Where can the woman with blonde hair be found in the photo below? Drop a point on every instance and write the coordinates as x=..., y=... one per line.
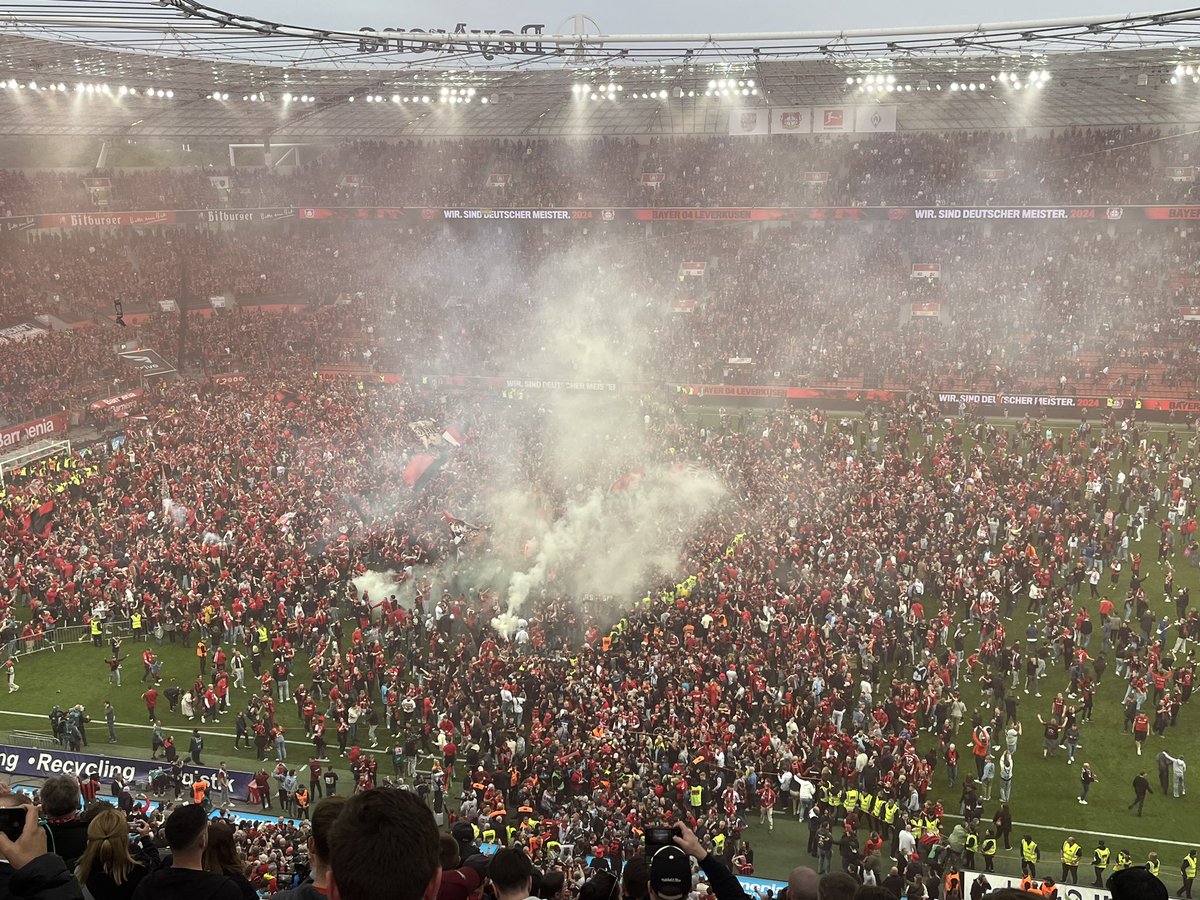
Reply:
x=111, y=867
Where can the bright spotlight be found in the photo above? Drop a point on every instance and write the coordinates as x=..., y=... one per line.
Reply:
x=287, y=98
x=483, y=99
x=850, y=79
x=170, y=94
x=971, y=86
x=395, y=98
x=891, y=79
x=424, y=99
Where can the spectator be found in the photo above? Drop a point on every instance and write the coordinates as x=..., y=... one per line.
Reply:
x=112, y=866
x=61, y=807
x=384, y=843
x=186, y=878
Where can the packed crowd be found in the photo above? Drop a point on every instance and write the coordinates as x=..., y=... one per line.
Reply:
x=1089, y=313
x=828, y=615
x=1124, y=165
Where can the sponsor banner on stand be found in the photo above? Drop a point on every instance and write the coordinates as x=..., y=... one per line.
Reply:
x=1180, y=173
x=1172, y=213
x=749, y=121
x=695, y=268
x=49, y=427
x=653, y=179
x=498, y=179
x=1190, y=313
x=226, y=378
x=605, y=214
x=683, y=305
x=796, y=120
x=118, y=406
x=219, y=182
x=874, y=119
x=816, y=177
x=925, y=310
x=832, y=119
x=926, y=270
x=44, y=763
x=710, y=214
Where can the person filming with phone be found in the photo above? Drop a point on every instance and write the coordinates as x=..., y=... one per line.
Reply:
x=30, y=871
x=671, y=868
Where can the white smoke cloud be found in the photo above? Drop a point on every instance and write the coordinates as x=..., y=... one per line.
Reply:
x=614, y=544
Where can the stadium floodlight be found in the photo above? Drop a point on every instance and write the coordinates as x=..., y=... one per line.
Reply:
x=424, y=99
x=33, y=86
x=170, y=93
x=1179, y=70
x=395, y=98
x=750, y=83
x=287, y=98
x=351, y=99
x=61, y=86
x=954, y=85
x=891, y=79
x=1174, y=80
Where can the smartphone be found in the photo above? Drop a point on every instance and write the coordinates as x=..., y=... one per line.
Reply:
x=12, y=821
x=657, y=838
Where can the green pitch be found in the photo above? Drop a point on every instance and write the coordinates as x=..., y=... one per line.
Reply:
x=1044, y=791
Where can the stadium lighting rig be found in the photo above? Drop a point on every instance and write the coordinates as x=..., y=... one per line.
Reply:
x=199, y=30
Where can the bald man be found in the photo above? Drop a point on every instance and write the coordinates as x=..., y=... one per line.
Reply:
x=802, y=883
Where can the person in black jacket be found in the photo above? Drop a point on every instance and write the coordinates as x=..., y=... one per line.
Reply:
x=186, y=879
x=35, y=874
x=671, y=875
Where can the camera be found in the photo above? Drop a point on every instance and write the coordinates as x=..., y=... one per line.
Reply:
x=12, y=821
x=657, y=838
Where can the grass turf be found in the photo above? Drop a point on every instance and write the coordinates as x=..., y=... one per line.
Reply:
x=1044, y=791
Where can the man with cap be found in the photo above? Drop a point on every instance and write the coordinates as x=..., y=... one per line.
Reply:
x=186, y=879
x=671, y=870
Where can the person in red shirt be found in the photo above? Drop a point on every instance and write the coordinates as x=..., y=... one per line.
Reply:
x=766, y=800
x=1141, y=727
x=151, y=698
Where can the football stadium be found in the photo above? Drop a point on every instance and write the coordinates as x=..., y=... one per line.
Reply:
x=541, y=461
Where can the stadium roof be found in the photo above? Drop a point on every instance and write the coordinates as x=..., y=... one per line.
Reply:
x=145, y=69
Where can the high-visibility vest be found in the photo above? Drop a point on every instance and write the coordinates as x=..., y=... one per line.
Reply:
x=1029, y=850
x=1100, y=857
x=864, y=802
x=1070, y=853
x=989, y=846
x=1124, y=861
x=851, y=800
x=835, y=798
x=1189, y=866
x=1153, y=865
x=697, y=794
x=972, y=843
x=96, y=626
x=135, y=621
x=953, y=882
x=1048, y=890
x=877, y=811
x=719, y=843
x=889, y=812
x=1027, y=883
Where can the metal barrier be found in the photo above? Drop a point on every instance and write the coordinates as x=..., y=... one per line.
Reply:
x=33, y=739
x=64, y=636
